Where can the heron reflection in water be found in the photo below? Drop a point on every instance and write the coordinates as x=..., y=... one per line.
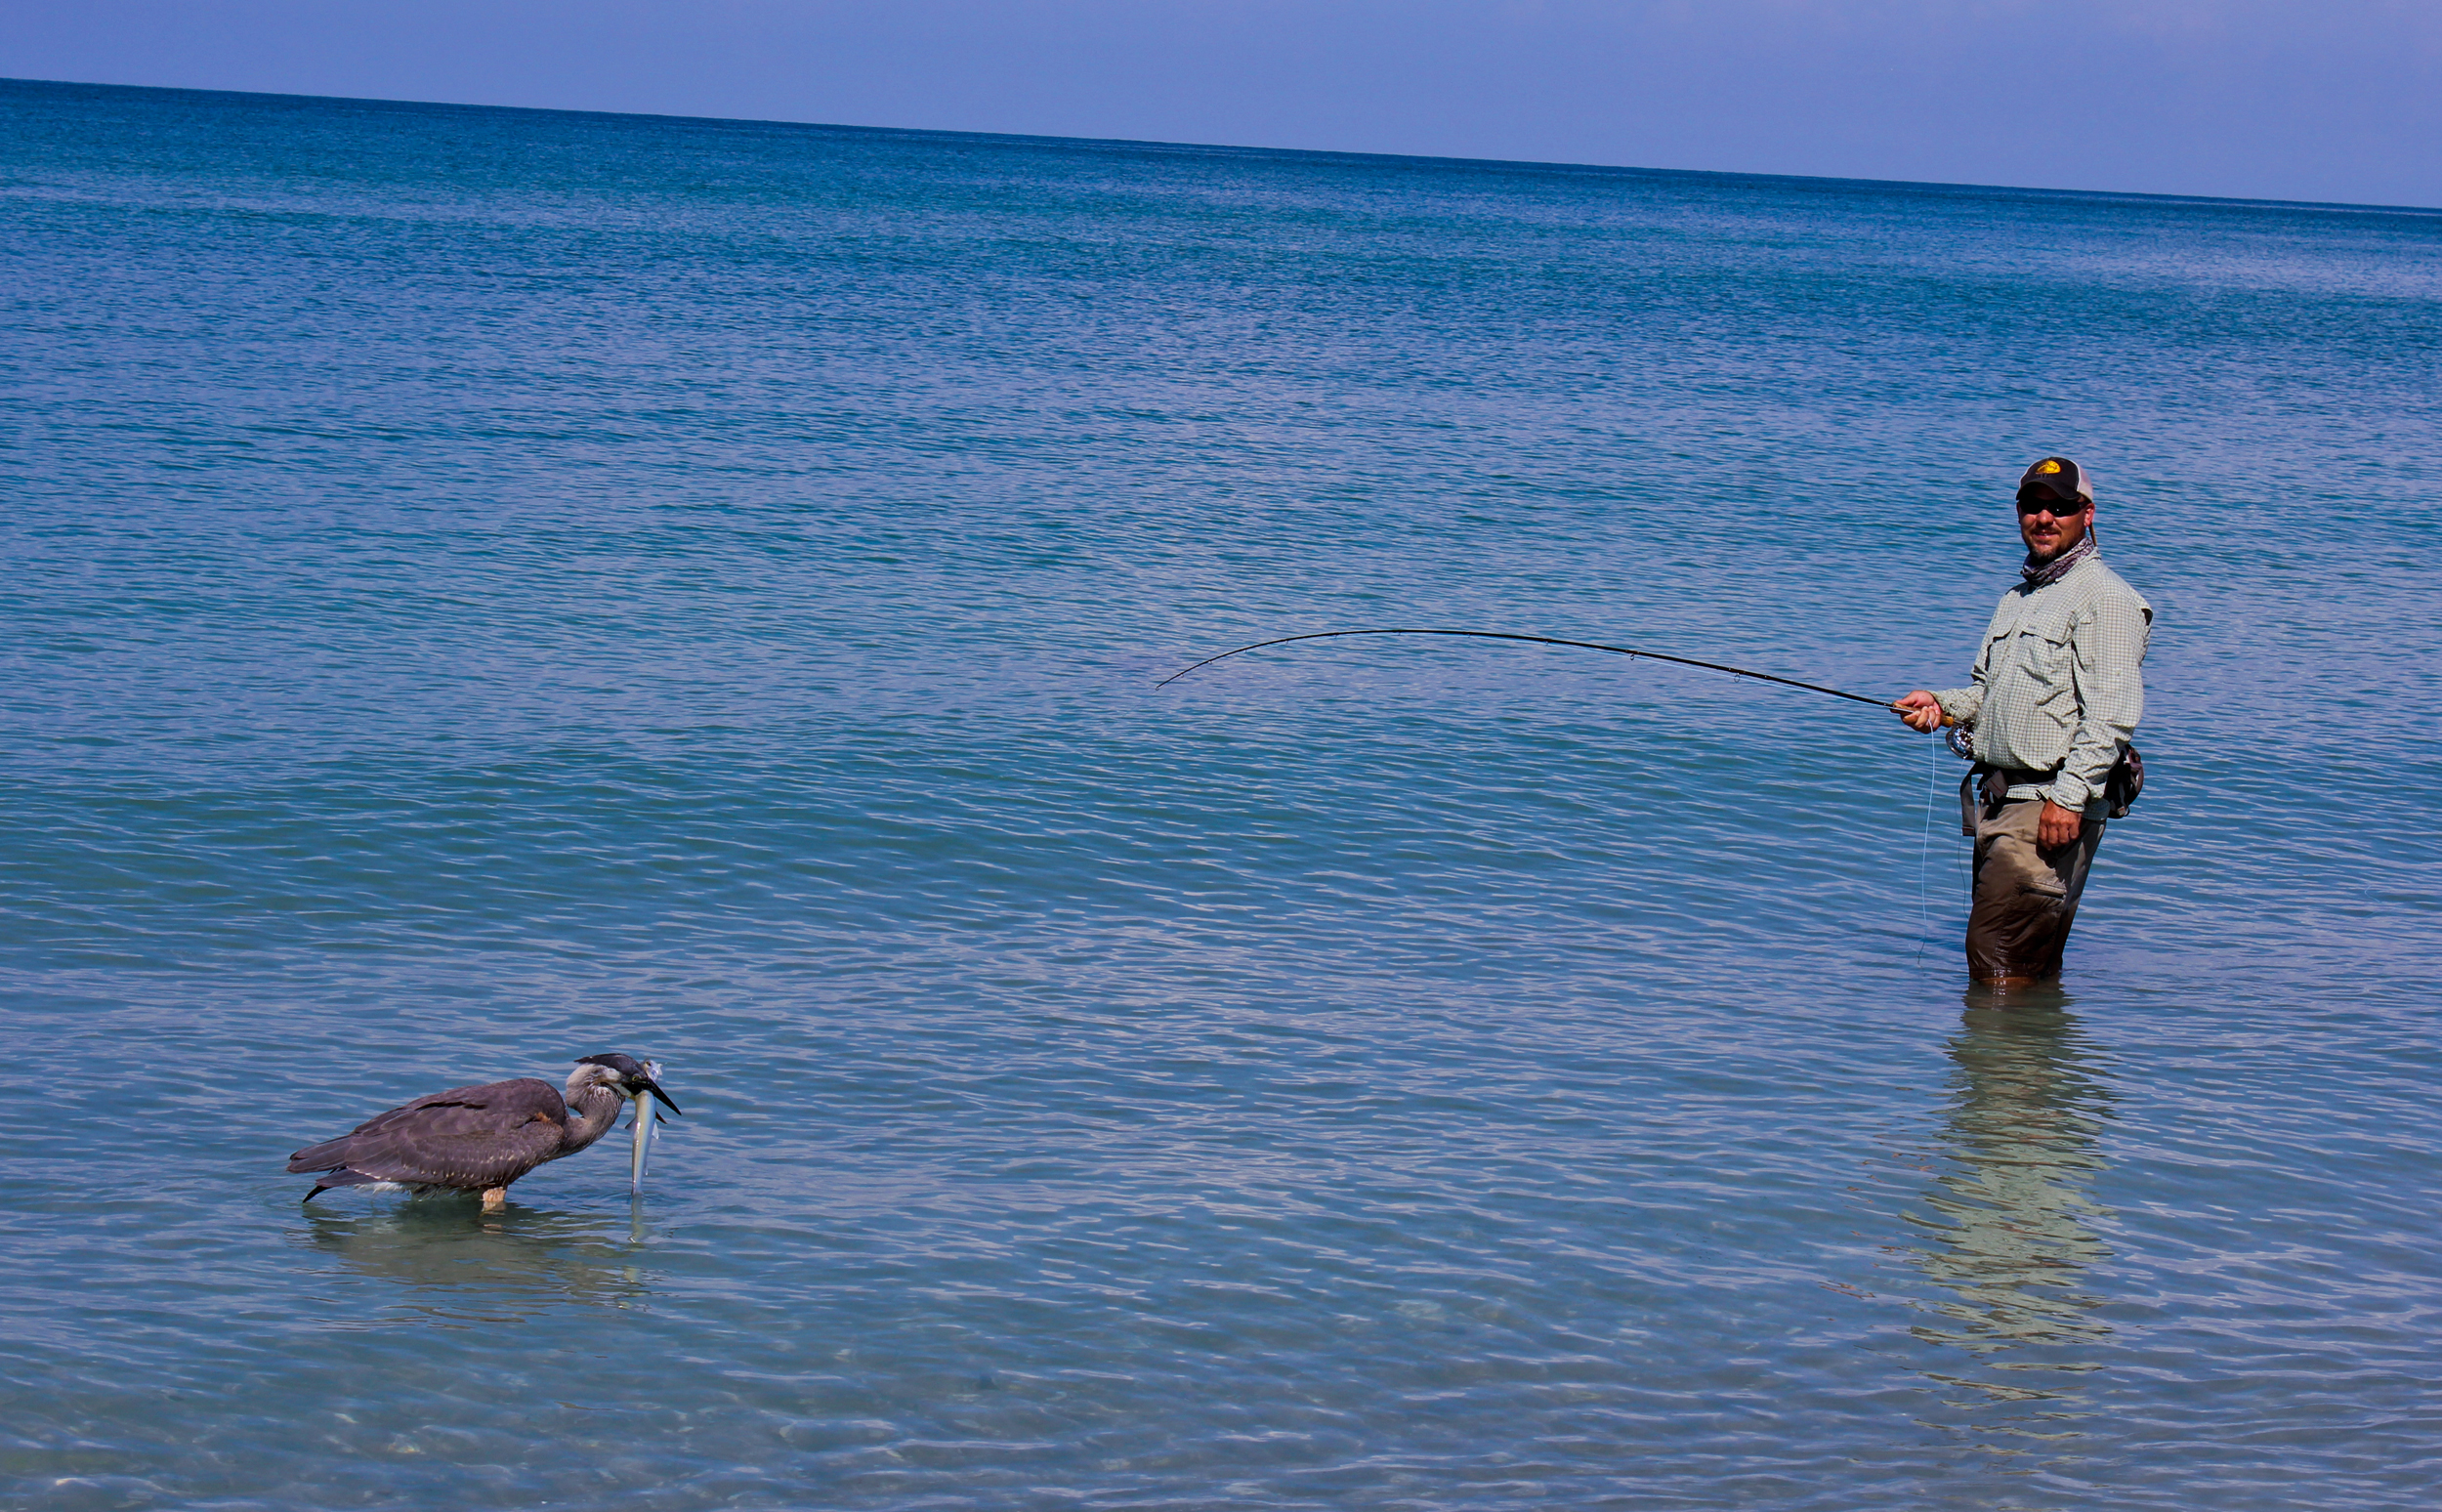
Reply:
x=522, y=1263
x=2011, y=1218
x=481, y=1138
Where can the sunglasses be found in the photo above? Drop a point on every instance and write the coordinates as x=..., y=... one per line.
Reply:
x=2059, y=509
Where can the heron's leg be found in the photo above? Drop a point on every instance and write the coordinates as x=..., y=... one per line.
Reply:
x=495, y=1198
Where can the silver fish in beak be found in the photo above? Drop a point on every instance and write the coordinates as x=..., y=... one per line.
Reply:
x=642, y=1150
x=646, y=1089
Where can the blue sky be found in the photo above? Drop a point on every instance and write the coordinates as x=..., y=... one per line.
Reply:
x=2337, y=101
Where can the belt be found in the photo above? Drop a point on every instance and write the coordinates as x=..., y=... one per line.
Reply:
x=1973, y=795
x=2020, y=776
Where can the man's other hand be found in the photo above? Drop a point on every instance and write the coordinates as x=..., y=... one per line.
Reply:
x=2057, y=827
x=1918, y=711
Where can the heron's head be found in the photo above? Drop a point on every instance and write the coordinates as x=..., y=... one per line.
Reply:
x=623, y=1074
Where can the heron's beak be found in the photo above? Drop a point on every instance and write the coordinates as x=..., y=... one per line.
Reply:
x=648, y=1084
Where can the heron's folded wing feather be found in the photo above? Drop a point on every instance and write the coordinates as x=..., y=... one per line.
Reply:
x=468, y=1136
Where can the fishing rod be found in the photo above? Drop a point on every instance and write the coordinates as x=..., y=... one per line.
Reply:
x=1543, y=640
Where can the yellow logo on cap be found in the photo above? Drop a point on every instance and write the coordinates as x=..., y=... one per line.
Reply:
x=2048, y=465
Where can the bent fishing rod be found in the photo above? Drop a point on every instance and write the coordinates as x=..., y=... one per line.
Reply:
x=1545, y=640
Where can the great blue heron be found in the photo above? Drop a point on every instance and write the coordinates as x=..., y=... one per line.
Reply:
x=481, y=1139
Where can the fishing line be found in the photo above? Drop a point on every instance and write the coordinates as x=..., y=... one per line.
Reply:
x=1540, y=640
x=1924, y=844
x=1933, y=755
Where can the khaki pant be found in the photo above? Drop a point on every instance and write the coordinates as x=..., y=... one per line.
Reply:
x=2025, y=897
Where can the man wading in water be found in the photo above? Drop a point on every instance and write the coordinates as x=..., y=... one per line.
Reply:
x=2056, y=695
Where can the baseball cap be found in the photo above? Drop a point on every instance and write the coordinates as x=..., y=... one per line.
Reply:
x=2059, y=477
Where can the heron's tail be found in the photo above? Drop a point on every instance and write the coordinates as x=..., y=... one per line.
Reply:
x=341, y=1177
x=329, y=1155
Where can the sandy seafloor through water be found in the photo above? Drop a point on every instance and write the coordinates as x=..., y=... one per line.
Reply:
x=488, y=587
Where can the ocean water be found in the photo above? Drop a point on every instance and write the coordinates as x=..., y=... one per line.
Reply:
x=487, y=587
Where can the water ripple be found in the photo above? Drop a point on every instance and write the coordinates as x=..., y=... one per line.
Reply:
x=489, y=587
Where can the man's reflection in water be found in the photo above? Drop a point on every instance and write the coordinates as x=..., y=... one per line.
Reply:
x=2009, y=1215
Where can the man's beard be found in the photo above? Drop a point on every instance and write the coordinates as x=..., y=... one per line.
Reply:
x=2040, y=571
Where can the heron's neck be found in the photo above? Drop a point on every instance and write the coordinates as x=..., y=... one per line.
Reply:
x=592, y=1113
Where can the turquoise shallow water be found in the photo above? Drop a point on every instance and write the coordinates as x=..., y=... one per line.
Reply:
x=487, y=587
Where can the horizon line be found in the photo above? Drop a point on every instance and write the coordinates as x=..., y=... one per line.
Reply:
x=2343, y=207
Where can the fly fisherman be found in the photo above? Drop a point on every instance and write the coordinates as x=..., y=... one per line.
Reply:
x=2056, y=695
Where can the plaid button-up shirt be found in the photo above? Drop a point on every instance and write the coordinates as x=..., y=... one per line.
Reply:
x=2059, y=682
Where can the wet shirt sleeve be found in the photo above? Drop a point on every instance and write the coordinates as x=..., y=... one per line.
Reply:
x=1964, y=704
x=2107, y=672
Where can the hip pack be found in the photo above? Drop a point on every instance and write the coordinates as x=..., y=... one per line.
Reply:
x=1985, y=785
x=2126, y=783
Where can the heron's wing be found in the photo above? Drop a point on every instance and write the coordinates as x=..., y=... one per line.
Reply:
x=482, y=1136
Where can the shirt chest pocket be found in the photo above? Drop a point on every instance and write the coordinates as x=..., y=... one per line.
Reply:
x=2039, y=649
